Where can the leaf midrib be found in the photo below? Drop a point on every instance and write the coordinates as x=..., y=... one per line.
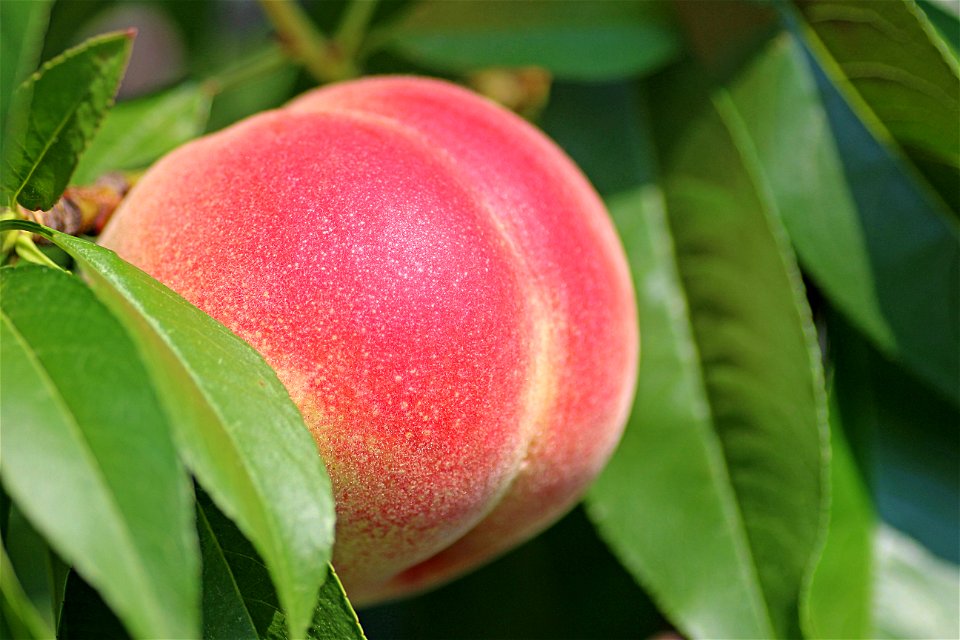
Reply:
x=233, y=579
x=719, y=469
x=54, y=137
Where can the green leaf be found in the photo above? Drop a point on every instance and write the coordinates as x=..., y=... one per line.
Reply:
x=720, y=474
x=899, y=75
x=610, y=150
x=840, y=595
x=335, y=618
x=917, y=594
x=22, y=25
x=41, y=574
x=20, y=617
x=235, y=424
x=945, y=16
x=134, y=134
x=863, y=229
x=67, y=99
x=576, y=39
x=239, y=600
x=907, y=435
x=87, y=456
x=905, y=438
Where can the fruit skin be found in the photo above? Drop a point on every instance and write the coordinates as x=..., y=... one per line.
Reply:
x=440, y=290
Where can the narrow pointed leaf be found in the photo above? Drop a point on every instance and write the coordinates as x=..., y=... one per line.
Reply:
x=891, y=63
x=134, y=134
x=63, y=104
x=578, y=39
x=720, y=473
x=87, y=453
x=239, y=600
x=236, y=426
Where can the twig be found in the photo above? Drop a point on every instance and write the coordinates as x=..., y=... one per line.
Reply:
x=353, y=26
x=318, y=54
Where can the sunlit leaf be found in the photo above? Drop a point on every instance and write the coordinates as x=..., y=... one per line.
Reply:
x=64, y=103
x=87, y=454
x=235, y=424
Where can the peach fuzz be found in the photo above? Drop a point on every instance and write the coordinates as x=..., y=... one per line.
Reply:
x=440, y=290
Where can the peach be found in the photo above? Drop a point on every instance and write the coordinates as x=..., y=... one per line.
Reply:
x=440, y=290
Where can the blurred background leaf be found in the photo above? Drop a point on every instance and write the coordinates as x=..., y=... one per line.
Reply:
x=916, y=592
x=136, y=133
x=21, y=37
x=574, y=40
x=891, y=62
x=882, y=249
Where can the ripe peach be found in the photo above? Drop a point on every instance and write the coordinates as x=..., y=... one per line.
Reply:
x=441, y=292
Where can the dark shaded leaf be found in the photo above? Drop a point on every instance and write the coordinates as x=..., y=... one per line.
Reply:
x=87, y=455
x=238, y=599
x=945, y=16
x=535, y=592
x=86, y=616
x=575, y=40
x=863, y=228
x=40, y=572
x=64, y=103
x=897, y=73
x=19, y=618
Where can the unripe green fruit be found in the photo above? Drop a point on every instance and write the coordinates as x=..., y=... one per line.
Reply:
x=441, y=292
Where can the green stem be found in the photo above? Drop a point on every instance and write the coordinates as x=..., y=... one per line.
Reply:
x=28, y=251
x=320, y=56
x=261, y=63
x=353, y=25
